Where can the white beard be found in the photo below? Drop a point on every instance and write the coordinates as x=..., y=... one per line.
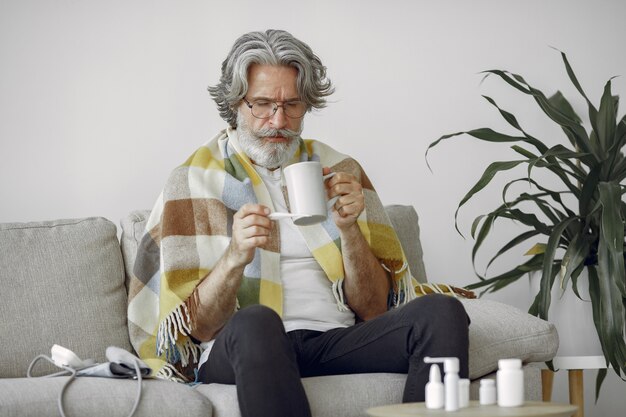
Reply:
x=269, y=155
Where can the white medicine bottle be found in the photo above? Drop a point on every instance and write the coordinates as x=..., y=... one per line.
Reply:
x=487, y=392
x=510, y=381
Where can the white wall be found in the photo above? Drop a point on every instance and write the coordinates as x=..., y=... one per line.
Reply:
x=99, y=100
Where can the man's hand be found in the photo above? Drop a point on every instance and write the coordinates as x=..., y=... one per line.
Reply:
x=351, y=201
x=251, y=229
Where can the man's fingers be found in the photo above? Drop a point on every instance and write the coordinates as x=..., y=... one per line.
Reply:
x=254, y=231
x=248, y=209
x=252, y=220
x=350, y=209
x=251, y=228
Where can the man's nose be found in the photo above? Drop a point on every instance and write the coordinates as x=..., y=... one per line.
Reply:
x=279, y=119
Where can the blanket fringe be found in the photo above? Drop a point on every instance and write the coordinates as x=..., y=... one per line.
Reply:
x=405, y=289
x=177, y=323
x=456, y=292
x=337, y=288
x=170, y=373
x=406, y=286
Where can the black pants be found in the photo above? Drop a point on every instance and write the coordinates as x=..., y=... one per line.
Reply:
x=254, y=352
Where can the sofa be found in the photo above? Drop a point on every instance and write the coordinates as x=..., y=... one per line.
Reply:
x=64, y=282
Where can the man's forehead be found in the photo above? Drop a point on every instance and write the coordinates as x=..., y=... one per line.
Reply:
x=268, y=81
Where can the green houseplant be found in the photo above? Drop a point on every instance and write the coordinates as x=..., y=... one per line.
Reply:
x=564, y=237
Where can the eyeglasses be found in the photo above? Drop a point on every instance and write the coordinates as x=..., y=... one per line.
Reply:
x=263, y=109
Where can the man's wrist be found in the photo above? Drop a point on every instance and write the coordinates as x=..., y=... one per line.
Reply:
x=350, y=231
x=233, y=262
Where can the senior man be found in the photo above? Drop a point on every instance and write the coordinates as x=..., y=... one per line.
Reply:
x=261, y=303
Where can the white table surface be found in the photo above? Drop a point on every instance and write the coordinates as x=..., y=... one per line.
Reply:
x=529, y=409
x=579, y=362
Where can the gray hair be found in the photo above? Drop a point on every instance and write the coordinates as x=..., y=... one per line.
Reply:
x=272, y=47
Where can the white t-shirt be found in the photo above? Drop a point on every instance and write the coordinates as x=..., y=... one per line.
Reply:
x=308, y=301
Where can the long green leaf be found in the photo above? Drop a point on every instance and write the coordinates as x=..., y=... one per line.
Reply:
x=610, y=277
x=564, y=155
x=599, y=380
x=547, y=281
x=564, y=120
x=615, y=155
x=528, y=219
x=553, y=113
x=575, y=131
x=606, y=120
x=554, y=214
x=512, y=243
x=504, y=211
x=551, y=213
x=592, y=110
x=485, y=179
x=485, y=134
x=482, y=234
x=574, y=278
x=548, y=263
x=508, y=79
x=620, y=136
x=556, y=196
x=510, y=118
x=585, y=200
x=612, y=235
x=573, y=258
x=555, y=168
x=597, y=312
x=559, y=102
x=533, y=264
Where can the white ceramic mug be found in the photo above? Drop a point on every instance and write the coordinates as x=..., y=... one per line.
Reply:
x=308, y=203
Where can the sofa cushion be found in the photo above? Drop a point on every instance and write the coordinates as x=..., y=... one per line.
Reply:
x=343, y=395
x=62, y=282
x=499, y=331
x=85, y=396
x=329, y=396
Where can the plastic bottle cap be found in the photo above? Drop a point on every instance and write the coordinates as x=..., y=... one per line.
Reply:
x=435, y=374
x=449, y=364
x=487, y=382
x=510, y=364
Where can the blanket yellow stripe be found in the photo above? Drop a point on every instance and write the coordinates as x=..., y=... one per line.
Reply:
x=327, y=256
x=271, y=295
x=203, y=158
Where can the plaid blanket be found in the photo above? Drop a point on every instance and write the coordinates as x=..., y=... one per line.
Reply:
x=189, y=230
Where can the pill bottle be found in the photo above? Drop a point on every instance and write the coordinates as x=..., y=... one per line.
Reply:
x=464, y=389
x=487, y=392
x=510, y=381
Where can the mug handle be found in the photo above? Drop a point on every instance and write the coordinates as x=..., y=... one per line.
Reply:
x=332, y=201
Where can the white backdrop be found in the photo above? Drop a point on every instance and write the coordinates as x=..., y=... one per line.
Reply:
x=99, y=100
